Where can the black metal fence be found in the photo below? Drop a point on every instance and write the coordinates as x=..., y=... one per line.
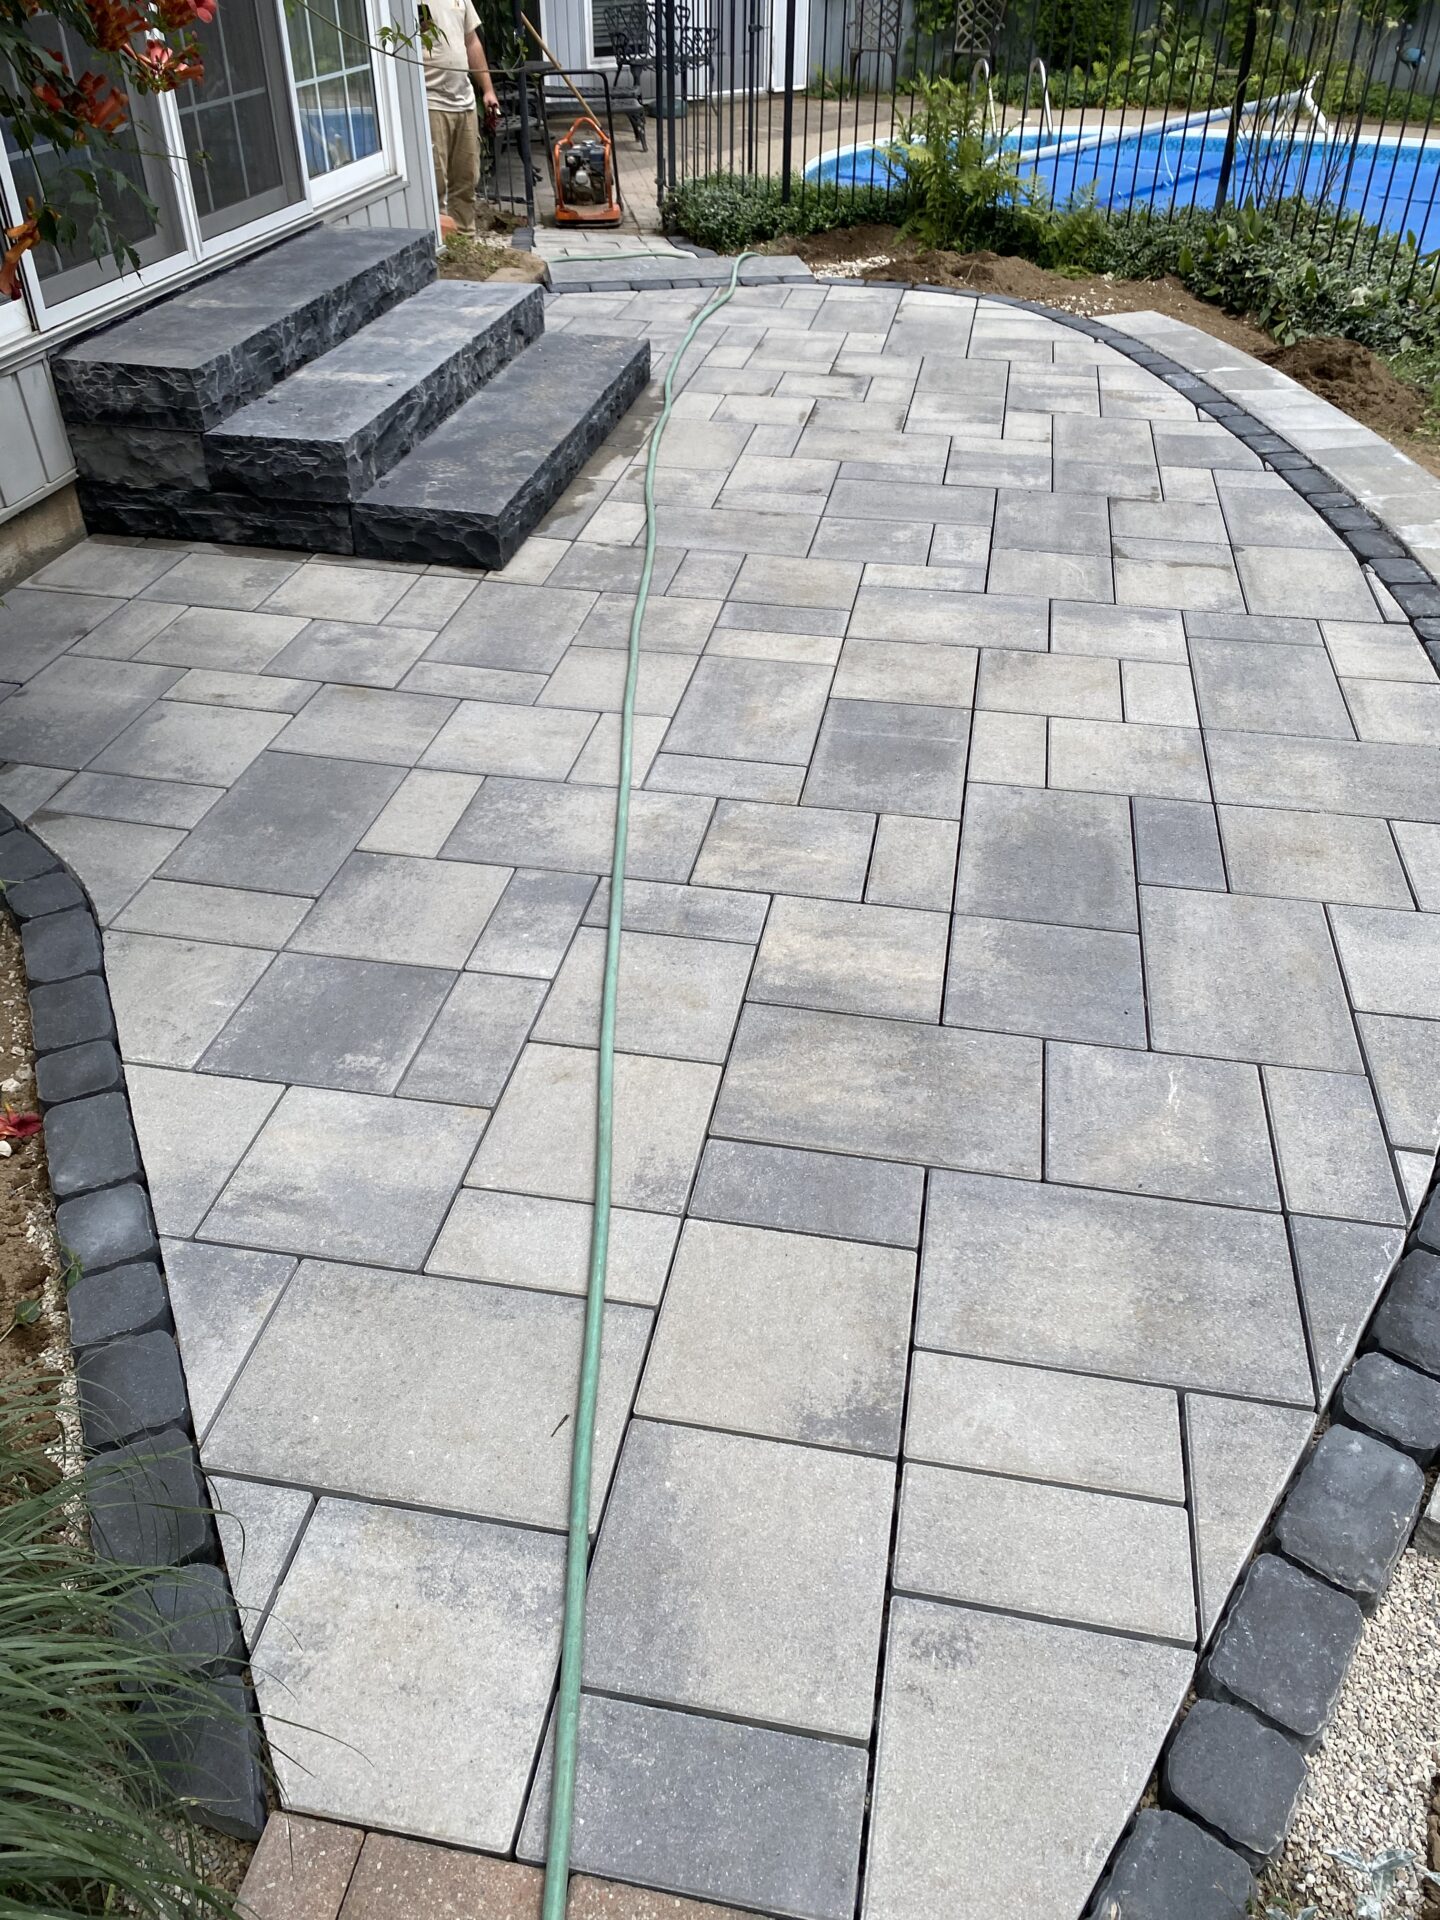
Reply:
x=1163, y=104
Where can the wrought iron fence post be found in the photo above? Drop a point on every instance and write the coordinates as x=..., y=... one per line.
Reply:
x=1232, y=131
x=787, y=125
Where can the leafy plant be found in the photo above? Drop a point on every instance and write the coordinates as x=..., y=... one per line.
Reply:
x=732, y=211
x=956, y=176
x=87, y=1823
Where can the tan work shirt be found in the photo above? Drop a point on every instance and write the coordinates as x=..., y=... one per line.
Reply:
x=447, y=66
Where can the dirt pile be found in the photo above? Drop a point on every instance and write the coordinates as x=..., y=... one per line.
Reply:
x=1350, y=377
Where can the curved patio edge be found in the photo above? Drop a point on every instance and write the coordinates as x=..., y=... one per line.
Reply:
x=148, y=1500
x=1231, y=1769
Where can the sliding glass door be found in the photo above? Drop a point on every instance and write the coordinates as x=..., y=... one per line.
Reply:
x=236, y=125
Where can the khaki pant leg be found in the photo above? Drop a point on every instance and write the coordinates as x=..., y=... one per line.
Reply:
x=440, y=153
x=464, y=169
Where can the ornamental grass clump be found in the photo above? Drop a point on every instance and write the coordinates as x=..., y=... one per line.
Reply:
x=87, y=1825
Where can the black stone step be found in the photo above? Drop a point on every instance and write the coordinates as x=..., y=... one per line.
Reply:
x=470, y=493
x=330, y=431
x=189, y=360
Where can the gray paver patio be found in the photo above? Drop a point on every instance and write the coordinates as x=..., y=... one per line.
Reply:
x=1029, y=1034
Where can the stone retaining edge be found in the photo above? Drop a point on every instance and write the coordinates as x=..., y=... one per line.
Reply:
x=148, y=1499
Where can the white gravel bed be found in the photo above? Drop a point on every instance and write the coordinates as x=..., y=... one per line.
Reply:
x=1371, y=1778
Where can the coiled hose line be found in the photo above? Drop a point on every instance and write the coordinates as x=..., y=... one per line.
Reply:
x=572, y=1644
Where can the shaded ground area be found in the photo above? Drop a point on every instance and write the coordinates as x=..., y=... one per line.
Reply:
x=1029, y=1034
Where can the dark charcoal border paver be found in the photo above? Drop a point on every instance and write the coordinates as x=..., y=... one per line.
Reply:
x=147, y=1494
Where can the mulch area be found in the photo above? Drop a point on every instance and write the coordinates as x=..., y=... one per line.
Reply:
x=28, y=1263
x=1343, y=372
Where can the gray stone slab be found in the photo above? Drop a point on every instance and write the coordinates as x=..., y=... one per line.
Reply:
x=467, y=1055
x=1130, y=633
x=1342, y=1265
x=1032, y=1424
x=693, y=913
x=539, y=743
x=111, y=858
x=677, y=998
x=517, y=1240
x=286, y=825
x=1330, y=1147
x=917, y=1093
x=1028, y=854
x=1104, y=756
x=541, y=1138
x=742, y=1576
x=533, y=823
x=1302, y=582
x=468, y=1414
x=505, y=624
x=1250, y=688
x=354, y=652
x=319, y=1021
x=1404, y=1057
x=965, y=619
x=1082, y=686
x=913, y=864
x=1158, y=1123
x=1390, y=960
x=1325, y=776
x=781, y=1822
x=992, y=1725
x=37, y=626
x=783, y=1335
x=725, y=779
x=892, y=757
x=1246, y=979
x=1052, y=522
x=750, y=710
x=382, y=1734
x=799, y=850
x=391, y=907
x=533, y=924
x=74, y=707
x=852, y=959
x=1115, y=1266
x=228, y=915
x=819, y=1193
x=1092, y=1558
x=593, y=679
x=896, y=670
x=1177, y=844
x=420, y=815
x=178, y=740
x=366, y=723
x=171, y=997
x=115, y=796
x=1338, y=858
x=192, y=1128
x=1241, y=1453
x=221, y=1298
x=220, y=639
x=1061, y=983
x=336, y=1174
x=259, y=1528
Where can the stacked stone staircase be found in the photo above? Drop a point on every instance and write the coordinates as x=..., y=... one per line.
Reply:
x=332, y=394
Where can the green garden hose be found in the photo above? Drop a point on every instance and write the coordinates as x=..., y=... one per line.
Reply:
x=572, y=1645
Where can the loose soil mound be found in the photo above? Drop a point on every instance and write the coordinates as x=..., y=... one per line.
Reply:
x=1350, y=377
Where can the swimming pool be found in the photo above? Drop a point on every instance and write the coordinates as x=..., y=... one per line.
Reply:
x=1393, y=182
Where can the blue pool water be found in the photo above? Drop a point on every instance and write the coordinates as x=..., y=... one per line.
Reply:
x=1393, y=182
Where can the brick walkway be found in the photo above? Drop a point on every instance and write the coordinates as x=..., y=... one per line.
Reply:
x=914, y=1570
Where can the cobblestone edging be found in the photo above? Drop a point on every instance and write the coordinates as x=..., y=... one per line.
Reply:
x=1233, y=1767
x=149, y=1504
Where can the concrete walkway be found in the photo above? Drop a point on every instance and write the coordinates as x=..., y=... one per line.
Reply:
x=1030, y=1037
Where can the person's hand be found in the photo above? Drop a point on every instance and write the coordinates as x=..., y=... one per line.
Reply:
x=490, y=107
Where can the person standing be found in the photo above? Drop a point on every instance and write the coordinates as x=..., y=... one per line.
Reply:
x=455, y=55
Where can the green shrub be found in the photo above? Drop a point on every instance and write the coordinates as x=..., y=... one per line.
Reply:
x=87, y=1826
x=729, y=212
